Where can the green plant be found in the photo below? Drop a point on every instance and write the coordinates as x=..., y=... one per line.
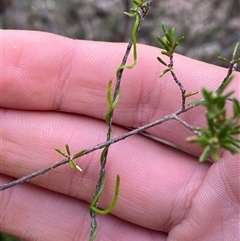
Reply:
x=222, y=130
x=220, y=133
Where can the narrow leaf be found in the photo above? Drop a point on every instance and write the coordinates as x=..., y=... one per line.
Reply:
x=109, y=93
x=61, y=152
x=169, y=38
x=161, y=61
x=237, y=61
x=230, y=148
x=172, y=35
x=68, y=149
x=166, y=53
x=104, y=153
x=164, y=28
x=215, y=155
x=205, y=154
x=114, y=202
x=223, y=59
x=131, y=15
x=164, y=72
x=78, y=154
x=163, y=43
x=179, y=40
x=236, y=108
x=114, y=103
x=235, y=50
x=191, y=93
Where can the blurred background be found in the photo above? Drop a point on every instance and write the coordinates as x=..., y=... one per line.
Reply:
x=211, y=28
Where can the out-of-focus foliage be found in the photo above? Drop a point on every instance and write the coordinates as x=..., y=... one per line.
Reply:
x=211, y=28
x=5, y=237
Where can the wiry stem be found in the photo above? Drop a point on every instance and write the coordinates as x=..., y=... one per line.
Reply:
x=183, y=91
x=231, y=69
x=140, y=16
x=97, y=147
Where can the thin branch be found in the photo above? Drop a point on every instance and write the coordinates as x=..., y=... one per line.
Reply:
x=183, y=91
x=191, y=128
x=140, y=16
x=232, y=67
x=97, y=147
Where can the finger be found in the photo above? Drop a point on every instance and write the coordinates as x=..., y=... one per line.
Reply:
x=156, y=180
x=33, y=213
x=216, y=203
x=42, y=71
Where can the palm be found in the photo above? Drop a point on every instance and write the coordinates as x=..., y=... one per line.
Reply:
x=216, y=199
x=165, y=194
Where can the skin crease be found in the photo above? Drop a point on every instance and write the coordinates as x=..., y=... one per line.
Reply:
x=53, y=91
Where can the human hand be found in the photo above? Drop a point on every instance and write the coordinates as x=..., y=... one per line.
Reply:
x=53, y=91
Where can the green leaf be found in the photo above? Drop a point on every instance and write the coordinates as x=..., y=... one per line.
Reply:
x=230, y=148
x=172, y=35
x=163, y=43
x=235, y=131
x=109, y=93
x=191, y=93
x=61, y=152
x=73, y=164
x=107, y=116
x=225, y=84
x=205, y=154
x=164, y=28
x=202, y=141
x=139, y=3
x=235, y=50
x=161, y=61
x=237, y=61
x=224, y=59
x=131, y=15
x=68, y=149
x=114, y=202
x=78, y=168
x=114, y=103
x=207, y=96
x=223, y=132
x=78, y=154
x=215, y=155
x=104, y=153
x=236, y=107
x=166, y=53
x=169, y=39
x=164, y=72
x=179, y=40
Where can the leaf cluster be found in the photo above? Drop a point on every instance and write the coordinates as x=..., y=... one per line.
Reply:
x=71, y=158
x=233, y=61
x=222, y=130
x=168, y=41
x=169, y=44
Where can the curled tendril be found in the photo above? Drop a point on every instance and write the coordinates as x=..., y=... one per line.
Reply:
x=135, y=12
x=115, y=198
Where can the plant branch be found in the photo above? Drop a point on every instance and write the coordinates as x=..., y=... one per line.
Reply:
x=139, y=12
x=96, y=147
x=191, y=128
x=183, y=91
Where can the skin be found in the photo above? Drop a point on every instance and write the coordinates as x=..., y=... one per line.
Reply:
x=53, y=91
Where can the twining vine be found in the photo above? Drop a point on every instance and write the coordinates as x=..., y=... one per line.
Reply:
x=221, y=130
